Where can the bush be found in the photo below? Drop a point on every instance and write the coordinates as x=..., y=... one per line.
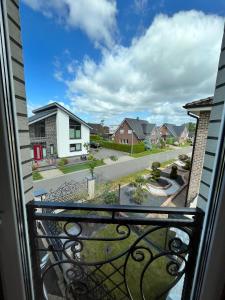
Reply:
x=173, y=173
x=113, y=157
x=139, y=195
x=137, y=148
x=155, y=174
x=63, y=162
x=183, y=157
x=170, y=141
x=187, y=164
x=162, y=143
x=95, y=137
x=155, y=165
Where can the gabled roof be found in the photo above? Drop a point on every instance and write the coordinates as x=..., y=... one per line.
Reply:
x=47, y=110
x=97, y=128
x=176, y=130
x=206, y=102
x=141, y=128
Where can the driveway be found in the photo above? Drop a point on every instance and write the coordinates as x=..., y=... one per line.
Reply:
x=114, y=171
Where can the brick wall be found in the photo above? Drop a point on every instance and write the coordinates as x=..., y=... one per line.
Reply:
x=198, y=155
x=121, y=136
x=50, y=134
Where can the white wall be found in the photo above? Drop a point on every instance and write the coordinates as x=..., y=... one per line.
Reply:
x=63, y=138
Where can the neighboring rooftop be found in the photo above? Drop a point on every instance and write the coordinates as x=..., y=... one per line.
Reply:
x=176, y=130
x=97, y=128
x=141, y=128
x=50, y=109
x=206, y=102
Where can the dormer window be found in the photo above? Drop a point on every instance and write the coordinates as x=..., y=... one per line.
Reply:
x=75, y=130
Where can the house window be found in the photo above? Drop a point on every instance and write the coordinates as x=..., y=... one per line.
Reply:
x=51, y=149
x=121, y=131
x=129, y=131
x=75, y=130
x=39, y=129
x=75, y=147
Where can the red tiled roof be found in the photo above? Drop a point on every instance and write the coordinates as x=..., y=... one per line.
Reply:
x=199, y=103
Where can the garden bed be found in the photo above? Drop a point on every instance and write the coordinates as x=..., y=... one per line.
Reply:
x=160, y=184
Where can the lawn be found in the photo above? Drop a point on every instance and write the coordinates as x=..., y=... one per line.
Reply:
x=156, y=278
x=167, y=163
x=149, y=152
x=73, y=168
x=36, y=175
x=128, y=179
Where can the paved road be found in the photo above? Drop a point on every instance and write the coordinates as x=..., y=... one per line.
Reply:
x=111, y=172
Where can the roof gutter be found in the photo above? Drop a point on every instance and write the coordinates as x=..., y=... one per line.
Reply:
x=193, y=152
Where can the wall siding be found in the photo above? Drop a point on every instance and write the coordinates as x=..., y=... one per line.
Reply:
x=214, y=133
x=20, y=94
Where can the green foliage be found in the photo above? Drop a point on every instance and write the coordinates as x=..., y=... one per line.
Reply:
x=191, y=126
x=137, y=148
x=155, y=171
x=36, y=175
x=113, y=157
x=95, y=137
x=110, y=197
x=148, y=144
x=63, y=162
x=187, y=164
x=170, y=141
x=183, y=157
x=162, y=143
x=139, y=195
x=87, y=147
x=155, y=165
x=173, y=173
x=92, y=164
x=139, y=181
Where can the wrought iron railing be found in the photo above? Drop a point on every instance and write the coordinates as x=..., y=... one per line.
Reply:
x=112, y=252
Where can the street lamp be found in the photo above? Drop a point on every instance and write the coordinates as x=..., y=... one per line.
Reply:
x=132, y=142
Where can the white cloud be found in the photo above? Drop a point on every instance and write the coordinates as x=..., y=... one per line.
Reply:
x=96, y=18
x=173, y=62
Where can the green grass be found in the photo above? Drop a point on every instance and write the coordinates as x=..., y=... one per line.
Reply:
x=36, y=175
x=68, y=169
x=128, y=179
x=167, y=163
x=156, y=278
x=149, y=152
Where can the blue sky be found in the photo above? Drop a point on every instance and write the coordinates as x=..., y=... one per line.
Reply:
x=108, y=59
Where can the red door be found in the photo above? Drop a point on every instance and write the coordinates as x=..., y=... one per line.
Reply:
x=38, y=152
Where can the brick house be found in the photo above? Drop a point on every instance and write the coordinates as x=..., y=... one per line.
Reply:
x=133, y=131
x=200, y=110
x=55, y=131
x=178, y=132
x=99, y=129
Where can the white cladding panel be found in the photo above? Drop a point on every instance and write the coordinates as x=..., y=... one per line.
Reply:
x=63, y=137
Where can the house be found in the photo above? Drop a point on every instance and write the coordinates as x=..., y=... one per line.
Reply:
x=200, y=110
x=55, y=131
x=178, y=132
x=133, y=131
x=99, y=129
x=112, y=130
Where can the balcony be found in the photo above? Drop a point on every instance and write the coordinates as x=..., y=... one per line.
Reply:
x=112, y=252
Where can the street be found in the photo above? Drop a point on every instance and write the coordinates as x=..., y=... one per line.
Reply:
x=114, y=171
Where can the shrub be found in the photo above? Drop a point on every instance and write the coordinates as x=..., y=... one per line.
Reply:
x=63, y=162
x=113, y=157
x=148, y=144
x=170, y=141
x=110, y=197
x=95, y=137
x=155, y=165
x=137, y=148
x=155, y=174
x=173, y=173
x=139, y=195
x=162, y=143
x=187, y=164
x=183, y=157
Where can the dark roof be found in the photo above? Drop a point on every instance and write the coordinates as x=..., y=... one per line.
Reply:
x=206, y=102
x=46, y=110
x=41, y=114
x=176, y=130
x=141, y=128
x=98, y=128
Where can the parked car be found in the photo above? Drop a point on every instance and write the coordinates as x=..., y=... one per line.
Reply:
x=94, y=144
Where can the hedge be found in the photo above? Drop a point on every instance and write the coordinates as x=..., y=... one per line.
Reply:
x=137, y=148
x=95, y=137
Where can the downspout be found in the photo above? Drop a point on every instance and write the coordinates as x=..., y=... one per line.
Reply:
x=193, y=152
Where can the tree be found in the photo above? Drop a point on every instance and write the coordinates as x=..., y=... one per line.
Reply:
x=148, y=144
x=173, y=173
x=155, y=171
x=92, y=164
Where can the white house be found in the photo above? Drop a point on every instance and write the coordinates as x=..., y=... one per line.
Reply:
x=55, y=131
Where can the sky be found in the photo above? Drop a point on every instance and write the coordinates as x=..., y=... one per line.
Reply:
x=108, y=59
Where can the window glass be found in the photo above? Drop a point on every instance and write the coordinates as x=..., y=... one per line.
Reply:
x=121, y=131
x=39, y=129
x=51, y=149
x=129, y=131
x=75, y=130
x=75, y=147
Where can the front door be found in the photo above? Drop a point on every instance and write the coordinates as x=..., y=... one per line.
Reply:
x=38, y=152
